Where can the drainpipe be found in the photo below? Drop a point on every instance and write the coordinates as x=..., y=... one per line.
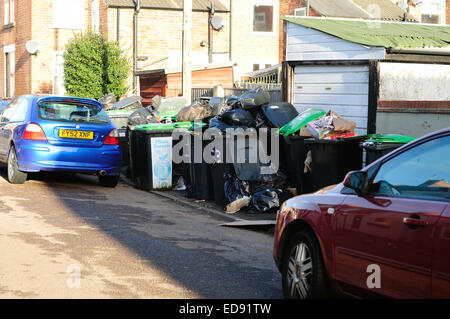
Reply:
x=118, y=25
x=307, y=8
x=137, y=8
x=211, y=40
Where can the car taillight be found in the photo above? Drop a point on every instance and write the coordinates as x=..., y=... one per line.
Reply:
x=34, y=132
x=112, y=138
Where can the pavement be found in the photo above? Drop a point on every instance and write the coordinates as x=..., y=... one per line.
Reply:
x=64, y=236
x=211, y=207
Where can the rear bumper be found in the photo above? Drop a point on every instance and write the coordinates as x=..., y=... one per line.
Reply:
x=42, y=156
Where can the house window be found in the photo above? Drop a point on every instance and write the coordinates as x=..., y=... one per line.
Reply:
x=95, y=16
x=263, y=16
x=432, y=12
x=8, y=17
x=261, y=66
x=68, y=14
x=300, y=12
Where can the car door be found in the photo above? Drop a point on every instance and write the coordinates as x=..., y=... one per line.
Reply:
x=390, y=230
x=5, y=119
x=440, y=282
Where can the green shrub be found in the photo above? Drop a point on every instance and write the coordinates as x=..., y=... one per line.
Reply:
x=94, y=66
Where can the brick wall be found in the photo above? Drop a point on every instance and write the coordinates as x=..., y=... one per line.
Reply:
x=288, y=7
x=33, y=21
x=249, y=47
x=447, y=12
x=160, y=35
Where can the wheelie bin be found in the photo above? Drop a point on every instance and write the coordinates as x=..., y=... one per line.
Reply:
x=378, y=145
x=333, y=159
x=151, y=156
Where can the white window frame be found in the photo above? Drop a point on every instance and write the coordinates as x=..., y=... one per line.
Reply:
x=426, y=9
x=63, y=10
x=8, y=12
x=95, y=15
x=10, y=50
x=303, y=10
x=58, y=73
x=274, y=4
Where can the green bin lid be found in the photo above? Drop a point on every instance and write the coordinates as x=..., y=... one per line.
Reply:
x=155, y=127
x=389, y=138
x=182, y=124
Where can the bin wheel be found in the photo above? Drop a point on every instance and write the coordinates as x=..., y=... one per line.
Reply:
x=108, y=181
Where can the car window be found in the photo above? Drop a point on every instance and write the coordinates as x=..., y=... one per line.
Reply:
x=71, y=112
x=21, y=111
x=420, y=172
x=8, y=113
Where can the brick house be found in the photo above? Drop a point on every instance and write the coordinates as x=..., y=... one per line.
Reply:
x=50, y=23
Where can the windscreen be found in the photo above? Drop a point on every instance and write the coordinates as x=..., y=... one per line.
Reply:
x=64, y=111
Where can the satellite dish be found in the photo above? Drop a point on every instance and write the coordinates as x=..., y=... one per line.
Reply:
x=33, y=47
x=218, y=22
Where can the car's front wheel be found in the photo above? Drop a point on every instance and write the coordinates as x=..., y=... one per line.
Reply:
x=302, y=268
x=108, y=181
x=14, y=175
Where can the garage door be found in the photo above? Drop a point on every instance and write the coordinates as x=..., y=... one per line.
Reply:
x=343, y=89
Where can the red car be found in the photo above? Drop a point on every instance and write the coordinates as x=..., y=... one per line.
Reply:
x=384, y=231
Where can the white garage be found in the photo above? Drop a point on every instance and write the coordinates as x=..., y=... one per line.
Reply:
x=334, y=64
x=345, y=89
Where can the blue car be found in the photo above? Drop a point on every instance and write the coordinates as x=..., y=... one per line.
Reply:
x=59, y=134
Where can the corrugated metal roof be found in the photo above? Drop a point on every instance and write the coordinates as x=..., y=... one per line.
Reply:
x=197, y=5
x=363, y=9
x=378, y=33
x=341, y=8
x=385, y=9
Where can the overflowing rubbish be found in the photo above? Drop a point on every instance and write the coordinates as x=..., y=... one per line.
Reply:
x=316, y=148
x=108, y=100
x=142, y=116
x=301, y=121
x=199, y=110
x=133, y=102
x=331, y=126
x=254, y=98
x=279, y=114
x=168, y=104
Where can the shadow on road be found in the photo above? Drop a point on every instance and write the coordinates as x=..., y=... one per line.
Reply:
x=226, y=268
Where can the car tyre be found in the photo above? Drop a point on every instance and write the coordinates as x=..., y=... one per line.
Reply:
x=14, y=175
x=108, y=181
x=302, y=268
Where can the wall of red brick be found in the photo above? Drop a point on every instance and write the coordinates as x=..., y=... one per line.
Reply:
x=17, y=34
x=447, y=12
x=288, y=7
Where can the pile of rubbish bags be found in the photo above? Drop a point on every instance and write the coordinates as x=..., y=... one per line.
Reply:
x=245, y=188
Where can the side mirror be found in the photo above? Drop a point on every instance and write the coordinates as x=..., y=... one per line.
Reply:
x=356, y=180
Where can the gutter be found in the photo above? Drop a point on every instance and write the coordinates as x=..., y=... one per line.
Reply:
x=419, y=51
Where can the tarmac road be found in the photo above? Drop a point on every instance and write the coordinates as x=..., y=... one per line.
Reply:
x=64, y=236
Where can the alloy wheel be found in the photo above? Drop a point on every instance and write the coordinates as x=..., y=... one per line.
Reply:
x=12, y=164
x=300, y=269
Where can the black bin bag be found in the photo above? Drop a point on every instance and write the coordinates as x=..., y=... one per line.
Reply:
x=279, y=114
x=254, y=98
